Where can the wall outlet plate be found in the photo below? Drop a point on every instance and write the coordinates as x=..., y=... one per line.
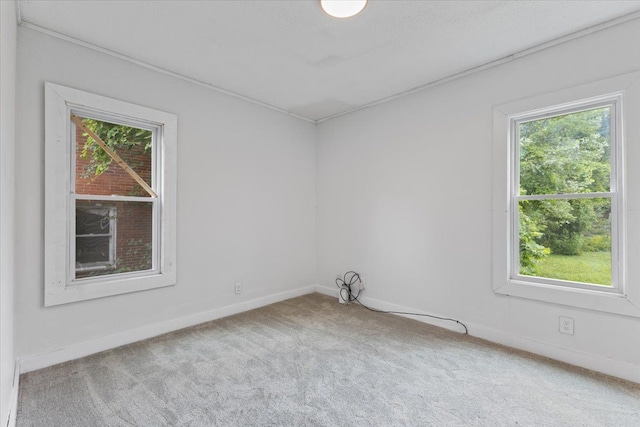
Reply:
x=238, y=288
x=566, y=325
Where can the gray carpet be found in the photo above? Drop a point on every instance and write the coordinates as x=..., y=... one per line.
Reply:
x=310, y=361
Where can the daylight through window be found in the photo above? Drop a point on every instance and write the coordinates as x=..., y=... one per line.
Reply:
x=565, y=201
x=114, y=201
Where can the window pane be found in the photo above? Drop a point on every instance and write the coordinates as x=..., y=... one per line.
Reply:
x=93, y=220
x=113, y=237
x=92, y=249
x=566, y=154
x=98, y=174
x=566, y=239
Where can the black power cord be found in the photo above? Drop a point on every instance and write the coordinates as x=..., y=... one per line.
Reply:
x=350, y=278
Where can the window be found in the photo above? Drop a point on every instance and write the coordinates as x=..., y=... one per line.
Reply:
x=120, y=177
x=565, y=195
x=109, y=196
x=561, y=206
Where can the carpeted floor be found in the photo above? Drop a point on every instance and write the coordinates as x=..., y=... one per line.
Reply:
x=310, y=361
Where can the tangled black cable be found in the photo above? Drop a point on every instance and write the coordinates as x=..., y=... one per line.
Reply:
x=350, y=278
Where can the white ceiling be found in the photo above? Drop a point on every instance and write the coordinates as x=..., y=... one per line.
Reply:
x=291, y=55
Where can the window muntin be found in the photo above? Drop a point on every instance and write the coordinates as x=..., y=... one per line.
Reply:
x=565, y=195
x=99, y=179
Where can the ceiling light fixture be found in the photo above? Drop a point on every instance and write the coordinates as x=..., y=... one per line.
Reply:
x=343, y=8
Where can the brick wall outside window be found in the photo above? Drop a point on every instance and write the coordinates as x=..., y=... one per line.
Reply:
x=133, y=235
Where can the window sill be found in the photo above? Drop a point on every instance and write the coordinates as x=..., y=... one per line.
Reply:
x=608, y=302
x=103, y=287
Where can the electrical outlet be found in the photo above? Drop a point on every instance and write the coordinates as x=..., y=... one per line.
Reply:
x=238, y=288
x=566, y=325
x=362, y=282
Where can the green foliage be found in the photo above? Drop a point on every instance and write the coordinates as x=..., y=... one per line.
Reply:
x=567, y=222
x=530, y=251
x=567, y=244
x=597, y=243
x=565, y=154
x=117, y=137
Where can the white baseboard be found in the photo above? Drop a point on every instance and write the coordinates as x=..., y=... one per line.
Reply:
x=387, y=306
x=325, y=290
x=97, y=345
x=13, y=404
x=596, y=363
x=600, y=364
x=592, y=362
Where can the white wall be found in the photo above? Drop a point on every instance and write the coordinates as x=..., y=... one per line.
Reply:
x=7, y=146
x=403, y=192
x=405, y=198
x=246, y=198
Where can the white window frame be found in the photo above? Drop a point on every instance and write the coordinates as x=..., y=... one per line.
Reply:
x=624, y=296
x=613, y=101
x=60, y=286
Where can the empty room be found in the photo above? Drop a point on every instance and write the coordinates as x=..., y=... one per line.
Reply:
x=319, y=213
